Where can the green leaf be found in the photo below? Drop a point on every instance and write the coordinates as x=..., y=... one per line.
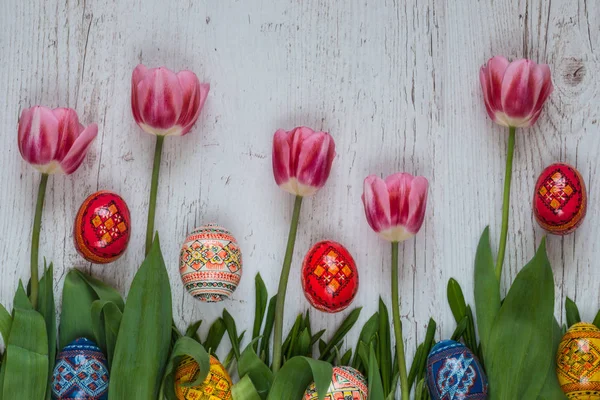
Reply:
x=245, y=390
x=385, y=348
x=367, y=334
x=106, y=321
x=374, y=378
x=460, y=329
x=290, y=340
x=572, y=312
x=261, y=306
x=215, y=335
x=345, y=360
x=417, y=369
x=75, y=317
x=232, y=333
x=192, y=330
x=551, y=389
x=185, y=346
x=293, y=378
x=456, y=300
x=142, y=347
x=597, y=320
x=341, y=332
x=267, y=330
x=102, y=290
x=524, y=325
x=25, y=370
x=5, y=323
x=487, y=290
x=21, y=300
x=251, y=366
x=302, y=347
x=47, y=308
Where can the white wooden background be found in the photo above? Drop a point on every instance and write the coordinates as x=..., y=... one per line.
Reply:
x=396, y=84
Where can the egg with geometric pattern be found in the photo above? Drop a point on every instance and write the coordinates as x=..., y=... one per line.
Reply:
x=578, y=362
x=210, y=263
x=346, y=384
x=80, y=372
x=454, y=373
x=216, y=386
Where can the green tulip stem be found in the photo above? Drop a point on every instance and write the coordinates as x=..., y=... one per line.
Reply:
x=153, y=192
x=35, y=240
x=283, y=282
x=506, y=202
x=404, y=389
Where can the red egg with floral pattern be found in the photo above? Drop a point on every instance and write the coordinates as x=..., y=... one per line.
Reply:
x=329, y=277
x=102, y=227
x=560, y=199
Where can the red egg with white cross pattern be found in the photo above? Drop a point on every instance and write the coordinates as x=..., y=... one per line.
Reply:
x=102, y=227
x=329, y=277
x=560, y=199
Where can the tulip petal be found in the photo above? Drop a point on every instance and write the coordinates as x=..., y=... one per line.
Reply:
x=376, y=201
x=136, y=77
x=38, y=135
x=281, y=157
x=68, y=130
x=77, y=152
x=194, y=96
x=399, y=186
x=314, y=159
x=491, y=76
x=544, y=89
x=159, y=99
x=417, y=201
x=518, y=89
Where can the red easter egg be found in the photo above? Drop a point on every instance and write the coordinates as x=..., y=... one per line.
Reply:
x=329, y=277
x=102, y=227
x=560, y=200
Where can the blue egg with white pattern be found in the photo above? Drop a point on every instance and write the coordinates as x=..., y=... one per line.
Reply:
x=454, y=373
x=81, y=372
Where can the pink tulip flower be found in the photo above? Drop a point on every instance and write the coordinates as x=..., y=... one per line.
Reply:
x=395, y=207
x=302, y=160
x=165, y=103
x=514, y=92
x=54, y=141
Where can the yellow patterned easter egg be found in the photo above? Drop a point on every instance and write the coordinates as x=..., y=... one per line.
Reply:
x=578, y=362
x=216, y=386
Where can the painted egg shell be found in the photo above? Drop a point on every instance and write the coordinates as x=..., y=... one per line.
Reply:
x=578, y=362
x=453, y=372
x=329, y=277
x=346, y=383
x=560, y=199
x=210, y=263
x=81, y=372
x=102, y=227
x=216, y=386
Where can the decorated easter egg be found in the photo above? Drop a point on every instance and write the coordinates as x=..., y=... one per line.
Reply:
x=329, y=277
x=102, y=227
x=81, y=372
x=216, y=386
x=454, y=373
x=210, y=263
x=560, y=199
x=578, y=362
x=346, y=383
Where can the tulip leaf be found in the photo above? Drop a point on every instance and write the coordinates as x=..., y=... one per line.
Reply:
x=572, y=312
x=215, y=335
x=192, y=331
x=185, y=346
x=385, y=348
x=232, y=332
x=597, y=320
x=551, y=389
x=518, y=356
x=341, y=332
x=367, y=335
x=297, y=374
x=374, y=378
x=47, y=308
x=21, y=300
x=251, y=366
x=106, y=320
x=144, y=338
x=25, y=370
x=456, y=300
x=75, y=317
x=262, y=297
x=487, y=290
x=5, y=323
x=245, y=390
x=267, y=330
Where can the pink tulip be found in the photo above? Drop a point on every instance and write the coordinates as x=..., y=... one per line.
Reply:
x=395, y=207
x=165, y=103
x=54, y=141
x=514, y=92
x=302, y=160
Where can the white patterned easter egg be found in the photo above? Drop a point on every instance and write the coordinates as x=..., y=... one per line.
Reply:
x=210, y=263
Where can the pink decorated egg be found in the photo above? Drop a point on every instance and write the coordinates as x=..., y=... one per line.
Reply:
x=560, y=199
x=329, y=277
x=210, y=263
x=102, y=227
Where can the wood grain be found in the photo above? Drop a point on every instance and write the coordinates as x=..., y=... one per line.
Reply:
x=395, y=83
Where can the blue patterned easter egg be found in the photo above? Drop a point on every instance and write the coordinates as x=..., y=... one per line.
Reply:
x=81, y=372
x=454, y=373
